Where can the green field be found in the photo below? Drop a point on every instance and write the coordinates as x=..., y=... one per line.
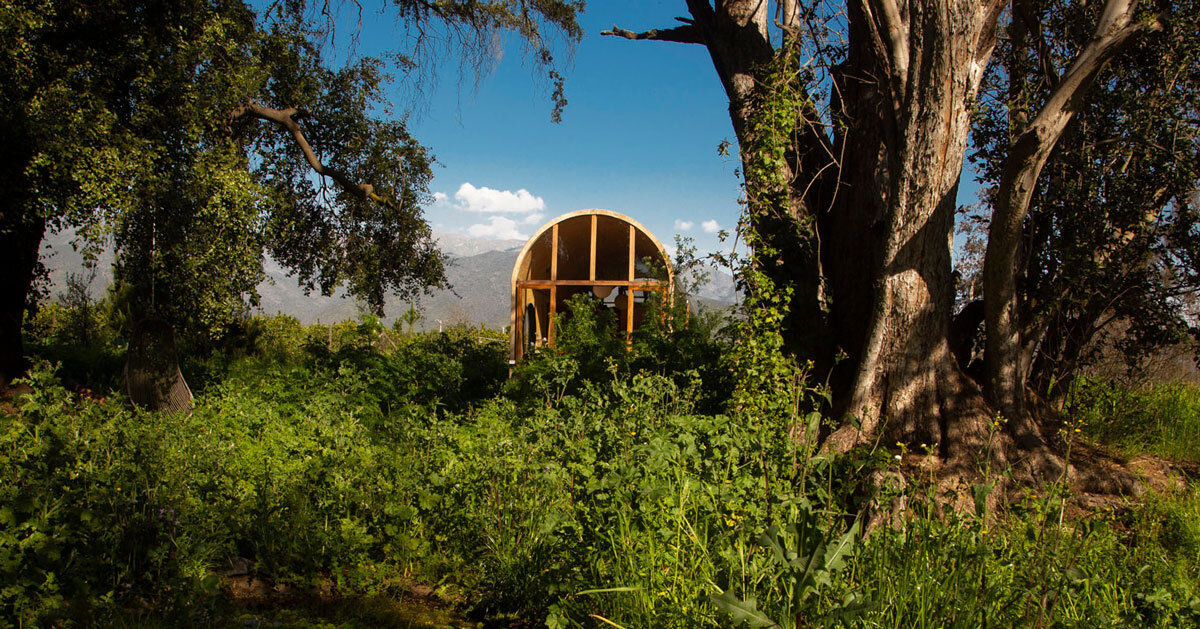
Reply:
x=360, y=477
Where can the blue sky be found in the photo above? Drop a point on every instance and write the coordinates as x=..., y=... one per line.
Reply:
x=639, y=135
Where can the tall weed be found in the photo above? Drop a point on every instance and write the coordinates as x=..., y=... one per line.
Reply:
x=1161, y=419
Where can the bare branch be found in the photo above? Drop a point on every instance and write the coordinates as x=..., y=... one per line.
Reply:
x=895, y=37
x=686, y=34
x=787, y=15
x=1021, y=11
x=286, y=118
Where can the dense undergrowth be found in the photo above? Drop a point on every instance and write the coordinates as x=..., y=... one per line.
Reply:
x=597, y=487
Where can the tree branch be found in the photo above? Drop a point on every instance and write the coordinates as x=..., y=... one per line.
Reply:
x=893, y=33
x=1023, y=165
x=787, y=15
x=1033, y=25
x=286, y=118
x=1116, y=29
x=686, y=34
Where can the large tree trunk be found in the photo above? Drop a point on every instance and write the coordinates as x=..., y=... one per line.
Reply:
x=20, y=240
x=880, y=200
x=907, y=88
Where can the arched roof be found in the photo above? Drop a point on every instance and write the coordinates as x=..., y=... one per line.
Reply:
x=523, y=259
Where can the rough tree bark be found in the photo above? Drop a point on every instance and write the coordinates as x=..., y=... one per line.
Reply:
x=1006, y=363
x=912, y=74
x=881, y=185
x=904, y=92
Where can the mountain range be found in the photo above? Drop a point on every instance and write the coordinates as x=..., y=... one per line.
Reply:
x=479, y=272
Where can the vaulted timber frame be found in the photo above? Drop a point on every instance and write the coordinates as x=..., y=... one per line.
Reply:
x=609, y=254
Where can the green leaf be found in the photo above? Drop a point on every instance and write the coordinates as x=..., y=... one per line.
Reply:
x=743, y=612
x=836, y=554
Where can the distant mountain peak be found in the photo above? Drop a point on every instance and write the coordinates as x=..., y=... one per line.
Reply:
x=480, y=272
x=463, y=246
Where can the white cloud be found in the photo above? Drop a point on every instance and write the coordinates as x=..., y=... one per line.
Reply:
x=486, y=200
x=533, y=219
x=440, y=198
x=710, y=227
x=498, y=227
x=684, y=226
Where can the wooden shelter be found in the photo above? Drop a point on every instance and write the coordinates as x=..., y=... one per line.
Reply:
x=608, y=254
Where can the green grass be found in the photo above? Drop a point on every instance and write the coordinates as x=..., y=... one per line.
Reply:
x=1163, y=419
x=616, y=499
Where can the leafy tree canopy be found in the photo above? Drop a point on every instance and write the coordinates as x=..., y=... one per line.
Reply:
x=1112, y=232
x=200, y=135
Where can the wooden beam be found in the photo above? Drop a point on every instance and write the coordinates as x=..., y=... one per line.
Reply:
x=629, y=289
x=550, y=322
x=554, y=252
x=632, y=250
x=553, y=286
x=639, y=284
x=518, y=319
x=514, y=332
x=592, y=258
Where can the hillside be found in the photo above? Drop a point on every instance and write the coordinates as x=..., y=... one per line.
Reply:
x=479, y=273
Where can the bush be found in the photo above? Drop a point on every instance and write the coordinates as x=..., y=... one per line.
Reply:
x=601, y=486
x=106, y=507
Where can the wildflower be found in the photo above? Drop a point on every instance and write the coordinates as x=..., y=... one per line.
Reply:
x=897, y=457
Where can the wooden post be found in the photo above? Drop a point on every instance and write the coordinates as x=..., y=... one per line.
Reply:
x=592, y=256
x=553, y=287
x=518, y=324
x=629, y=289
